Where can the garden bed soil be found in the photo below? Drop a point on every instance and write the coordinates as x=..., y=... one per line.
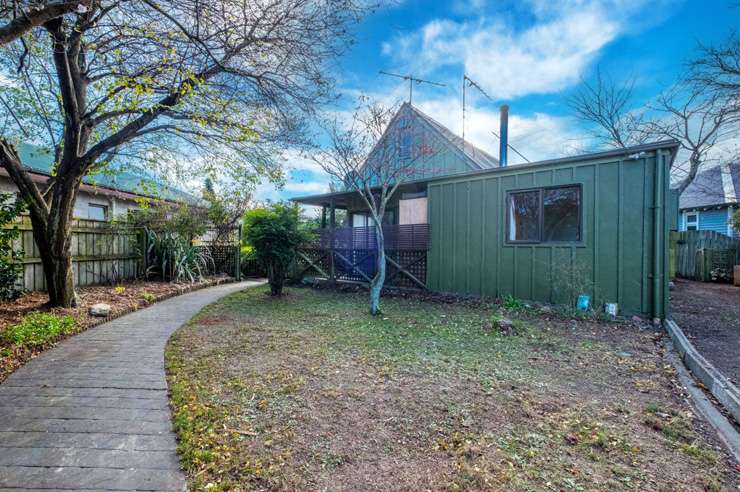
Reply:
x=709, y=315
x=308, y=392
x=123, y=298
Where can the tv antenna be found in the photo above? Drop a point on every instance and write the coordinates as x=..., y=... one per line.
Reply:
x=468, y=82
x=411, y=80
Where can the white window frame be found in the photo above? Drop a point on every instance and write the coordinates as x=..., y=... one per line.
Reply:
x=686, y=220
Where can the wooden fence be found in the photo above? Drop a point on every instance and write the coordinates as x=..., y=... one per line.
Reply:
x=102, y=253
x=694, y=254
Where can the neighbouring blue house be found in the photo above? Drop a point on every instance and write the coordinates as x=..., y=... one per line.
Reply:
x=709, y=202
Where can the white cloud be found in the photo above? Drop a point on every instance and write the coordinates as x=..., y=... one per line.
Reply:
x=298, y=161
x=539, y=136
x=546, y=56
x=310, y=187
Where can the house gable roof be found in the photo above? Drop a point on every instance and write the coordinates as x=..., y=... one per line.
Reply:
x=39, y=160
x=477, y=158
x=450, y=155
x=719, y=185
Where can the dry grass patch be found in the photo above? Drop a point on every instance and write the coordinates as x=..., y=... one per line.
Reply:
x=308, y=392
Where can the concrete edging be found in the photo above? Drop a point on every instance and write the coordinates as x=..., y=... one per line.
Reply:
x=717, y=384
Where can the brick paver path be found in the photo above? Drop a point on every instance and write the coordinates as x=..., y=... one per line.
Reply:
x=92, y=414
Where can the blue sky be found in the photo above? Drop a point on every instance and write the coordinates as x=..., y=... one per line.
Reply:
x=530, y=54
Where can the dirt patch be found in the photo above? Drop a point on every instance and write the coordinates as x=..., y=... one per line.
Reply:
x=311, y=393
x=122, y=298
x=709, y=315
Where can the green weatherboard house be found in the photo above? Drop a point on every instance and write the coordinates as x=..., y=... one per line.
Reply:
x=547, y=231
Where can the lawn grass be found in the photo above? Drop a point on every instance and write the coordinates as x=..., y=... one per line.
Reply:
x=308, y=392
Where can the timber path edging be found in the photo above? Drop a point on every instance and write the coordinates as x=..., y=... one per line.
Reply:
x=716, y=382
x=93, y=412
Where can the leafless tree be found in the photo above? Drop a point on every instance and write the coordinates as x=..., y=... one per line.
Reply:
x=607, y=107
x=698, y=118
x=362, y=157
x=17, y=17
x=718, y=69
x=222, y=81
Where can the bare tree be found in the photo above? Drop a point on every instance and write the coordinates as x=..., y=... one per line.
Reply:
x=17, y=17
x=214, y=82
x=361, y=157
x=607, y=107
x=718, y=69
x=698, y=118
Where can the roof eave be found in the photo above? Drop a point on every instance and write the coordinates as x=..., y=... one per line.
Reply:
x=671, y=145
x=121, y=194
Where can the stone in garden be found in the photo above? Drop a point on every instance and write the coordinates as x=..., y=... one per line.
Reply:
x=100, y=310
x=505, y=326
x=671, y=286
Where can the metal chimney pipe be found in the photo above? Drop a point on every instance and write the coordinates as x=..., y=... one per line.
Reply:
x=504, y=136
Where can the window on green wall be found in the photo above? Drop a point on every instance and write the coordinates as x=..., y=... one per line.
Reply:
x=544, y=215
x=524, y=216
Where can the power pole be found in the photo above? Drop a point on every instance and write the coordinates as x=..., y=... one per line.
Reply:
x=411, y=80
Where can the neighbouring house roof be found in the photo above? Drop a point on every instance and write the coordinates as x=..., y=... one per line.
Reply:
x=716, y=186
x=136, y=182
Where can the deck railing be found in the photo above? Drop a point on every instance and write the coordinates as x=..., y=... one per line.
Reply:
x=351, y=253
x=397, y=237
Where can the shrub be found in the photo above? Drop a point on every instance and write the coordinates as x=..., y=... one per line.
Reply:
x=10, y=267
x=148, y=297
x=275, y=234
x=38, y=329
x=173, y=258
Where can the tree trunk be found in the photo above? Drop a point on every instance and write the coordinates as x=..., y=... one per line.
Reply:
x=53, y=237
x=379, y=279
x=276, y=279
x=56, y=258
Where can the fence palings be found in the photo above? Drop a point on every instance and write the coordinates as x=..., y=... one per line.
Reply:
x=102, y=253
x=698, y=252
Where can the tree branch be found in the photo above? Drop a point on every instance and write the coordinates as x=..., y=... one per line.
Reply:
x=36, y=17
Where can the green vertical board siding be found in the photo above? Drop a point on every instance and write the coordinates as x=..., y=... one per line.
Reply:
x=614, y=262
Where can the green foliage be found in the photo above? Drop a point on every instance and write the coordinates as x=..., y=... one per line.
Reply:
x=171, y=257
x=512, y=303
x=275, y=234
x=226, y=209
x=38, y=329
x=148, y=297
x=736, y=220
x=182, y=220
x=10, y=268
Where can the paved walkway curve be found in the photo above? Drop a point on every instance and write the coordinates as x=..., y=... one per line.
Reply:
x=92, y=413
